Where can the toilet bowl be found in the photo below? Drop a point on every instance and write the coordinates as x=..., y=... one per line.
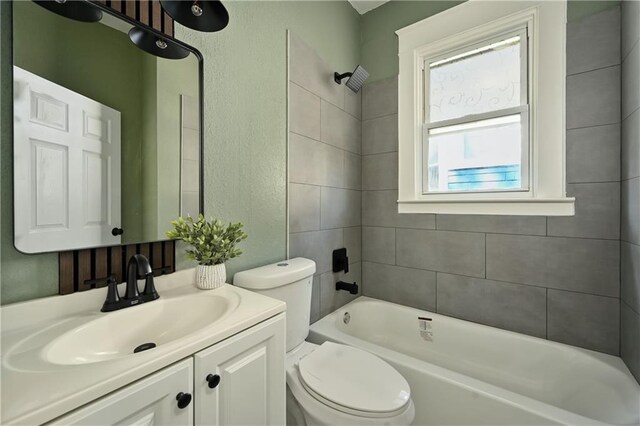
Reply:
x=328, y=384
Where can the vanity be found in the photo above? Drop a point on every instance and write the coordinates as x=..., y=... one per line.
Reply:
x=218, y=359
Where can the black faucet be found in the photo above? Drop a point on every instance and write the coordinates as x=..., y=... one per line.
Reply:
x=350, y=287
x=137, y=268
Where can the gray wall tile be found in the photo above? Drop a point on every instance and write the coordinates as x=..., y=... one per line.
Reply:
x=304, y=111
x=629, y=340
x=631, y=146
x=584, y=320
x=352, y=171
x=593, y=98
x=442, y=251
x=406, y=286
x=380, y=135
x=630, y=275
x=630, y=226
x=379, y=245
x=309, y=71
x=353, y=243
x=315, y=300
x=380, y=208
x=593, y=42
x=340, y=129
x=514, y=307
x=630, y=29
x=380, y=171
x=631, y=82
x=314, y=162
x=339, y=208
x=597, y=212
x=380, y=98
x=593, y=154
x=586, y=265
x=304, y=207
x=317, y=246
x=527, y=225
x=353, y=103
x=332, y=299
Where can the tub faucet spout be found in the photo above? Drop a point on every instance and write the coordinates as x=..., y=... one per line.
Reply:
x=350, y=287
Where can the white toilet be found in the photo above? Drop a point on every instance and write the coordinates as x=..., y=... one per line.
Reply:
x=328, y=384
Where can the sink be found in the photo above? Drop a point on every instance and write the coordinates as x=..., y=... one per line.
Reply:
x=145, y=327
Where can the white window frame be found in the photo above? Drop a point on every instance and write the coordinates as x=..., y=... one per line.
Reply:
x=462, y=27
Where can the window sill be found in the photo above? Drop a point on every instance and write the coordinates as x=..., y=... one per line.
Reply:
x=516, y=207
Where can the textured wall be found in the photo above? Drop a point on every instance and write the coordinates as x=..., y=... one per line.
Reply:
x=380, y=43
x=245, y=127
x=630, y=244
x=556, y=277
x=324, y=173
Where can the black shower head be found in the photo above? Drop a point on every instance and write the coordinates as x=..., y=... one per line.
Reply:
x=356, y=78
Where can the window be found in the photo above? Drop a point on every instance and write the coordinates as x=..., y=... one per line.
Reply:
x=476, y=133
x=481, y=110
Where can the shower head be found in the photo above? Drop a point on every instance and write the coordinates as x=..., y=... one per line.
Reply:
x=356, y=78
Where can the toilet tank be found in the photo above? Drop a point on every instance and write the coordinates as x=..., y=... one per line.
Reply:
x=290, y=281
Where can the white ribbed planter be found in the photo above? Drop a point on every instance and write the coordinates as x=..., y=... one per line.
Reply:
x=210, y=276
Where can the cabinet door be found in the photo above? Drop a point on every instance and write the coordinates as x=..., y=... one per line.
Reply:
x=250, y=385
x=151, y=401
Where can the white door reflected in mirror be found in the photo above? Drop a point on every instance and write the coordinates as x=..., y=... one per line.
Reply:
x=66, y=167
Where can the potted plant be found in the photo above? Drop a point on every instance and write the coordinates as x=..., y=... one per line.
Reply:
x=212, y=244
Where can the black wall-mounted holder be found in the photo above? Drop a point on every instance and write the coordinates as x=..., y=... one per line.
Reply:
x=340, y=260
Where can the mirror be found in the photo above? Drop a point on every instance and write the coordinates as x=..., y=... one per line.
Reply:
x=107, y=138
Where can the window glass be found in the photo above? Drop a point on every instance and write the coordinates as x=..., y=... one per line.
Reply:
x=477, y=156
x=476, y=81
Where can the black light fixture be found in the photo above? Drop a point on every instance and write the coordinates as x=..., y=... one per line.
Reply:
x=201, y=15
x=79, y=10
x=157, y=45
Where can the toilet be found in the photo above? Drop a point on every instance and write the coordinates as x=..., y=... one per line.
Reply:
x=328, y=384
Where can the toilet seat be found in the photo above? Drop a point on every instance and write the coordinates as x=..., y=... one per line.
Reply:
x=353, y=381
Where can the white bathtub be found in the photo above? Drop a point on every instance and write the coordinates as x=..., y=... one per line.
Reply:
x=475, y=374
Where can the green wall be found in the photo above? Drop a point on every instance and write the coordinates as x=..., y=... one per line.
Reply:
x=245, y=127
x=380, y=43
x=245, y=117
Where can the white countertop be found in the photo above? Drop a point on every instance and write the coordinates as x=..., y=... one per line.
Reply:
x=35, y=391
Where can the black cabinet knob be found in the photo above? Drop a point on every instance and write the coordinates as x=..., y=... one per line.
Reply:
x=213, y=380
x=117, y=231
x=184, y=399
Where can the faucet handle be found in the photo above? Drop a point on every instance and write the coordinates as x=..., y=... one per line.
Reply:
x=149, y=287
x=113, y=297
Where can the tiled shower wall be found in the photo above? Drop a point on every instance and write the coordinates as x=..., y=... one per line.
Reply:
x=556, y=278
x=630, y=238
x=325, y=176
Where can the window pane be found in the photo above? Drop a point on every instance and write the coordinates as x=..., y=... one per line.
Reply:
x=477, y=81
x=479, y=156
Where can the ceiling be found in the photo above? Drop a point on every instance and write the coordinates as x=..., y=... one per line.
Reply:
x=363, y=6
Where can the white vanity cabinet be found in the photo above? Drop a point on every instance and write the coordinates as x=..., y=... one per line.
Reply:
x=241, y=381
x=238, y=381
x=150, y=401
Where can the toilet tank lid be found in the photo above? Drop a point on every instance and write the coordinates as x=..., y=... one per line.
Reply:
x=275, y=274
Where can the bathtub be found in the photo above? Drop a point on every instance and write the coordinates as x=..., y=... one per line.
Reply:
x=466, y=373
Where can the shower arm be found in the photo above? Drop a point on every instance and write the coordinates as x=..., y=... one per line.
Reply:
x=339, y=77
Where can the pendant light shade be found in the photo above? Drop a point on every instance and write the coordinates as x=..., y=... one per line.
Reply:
x=156, y=45
x=78, y=10
x=200, y=15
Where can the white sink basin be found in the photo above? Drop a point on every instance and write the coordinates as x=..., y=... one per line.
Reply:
x=118, y=334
